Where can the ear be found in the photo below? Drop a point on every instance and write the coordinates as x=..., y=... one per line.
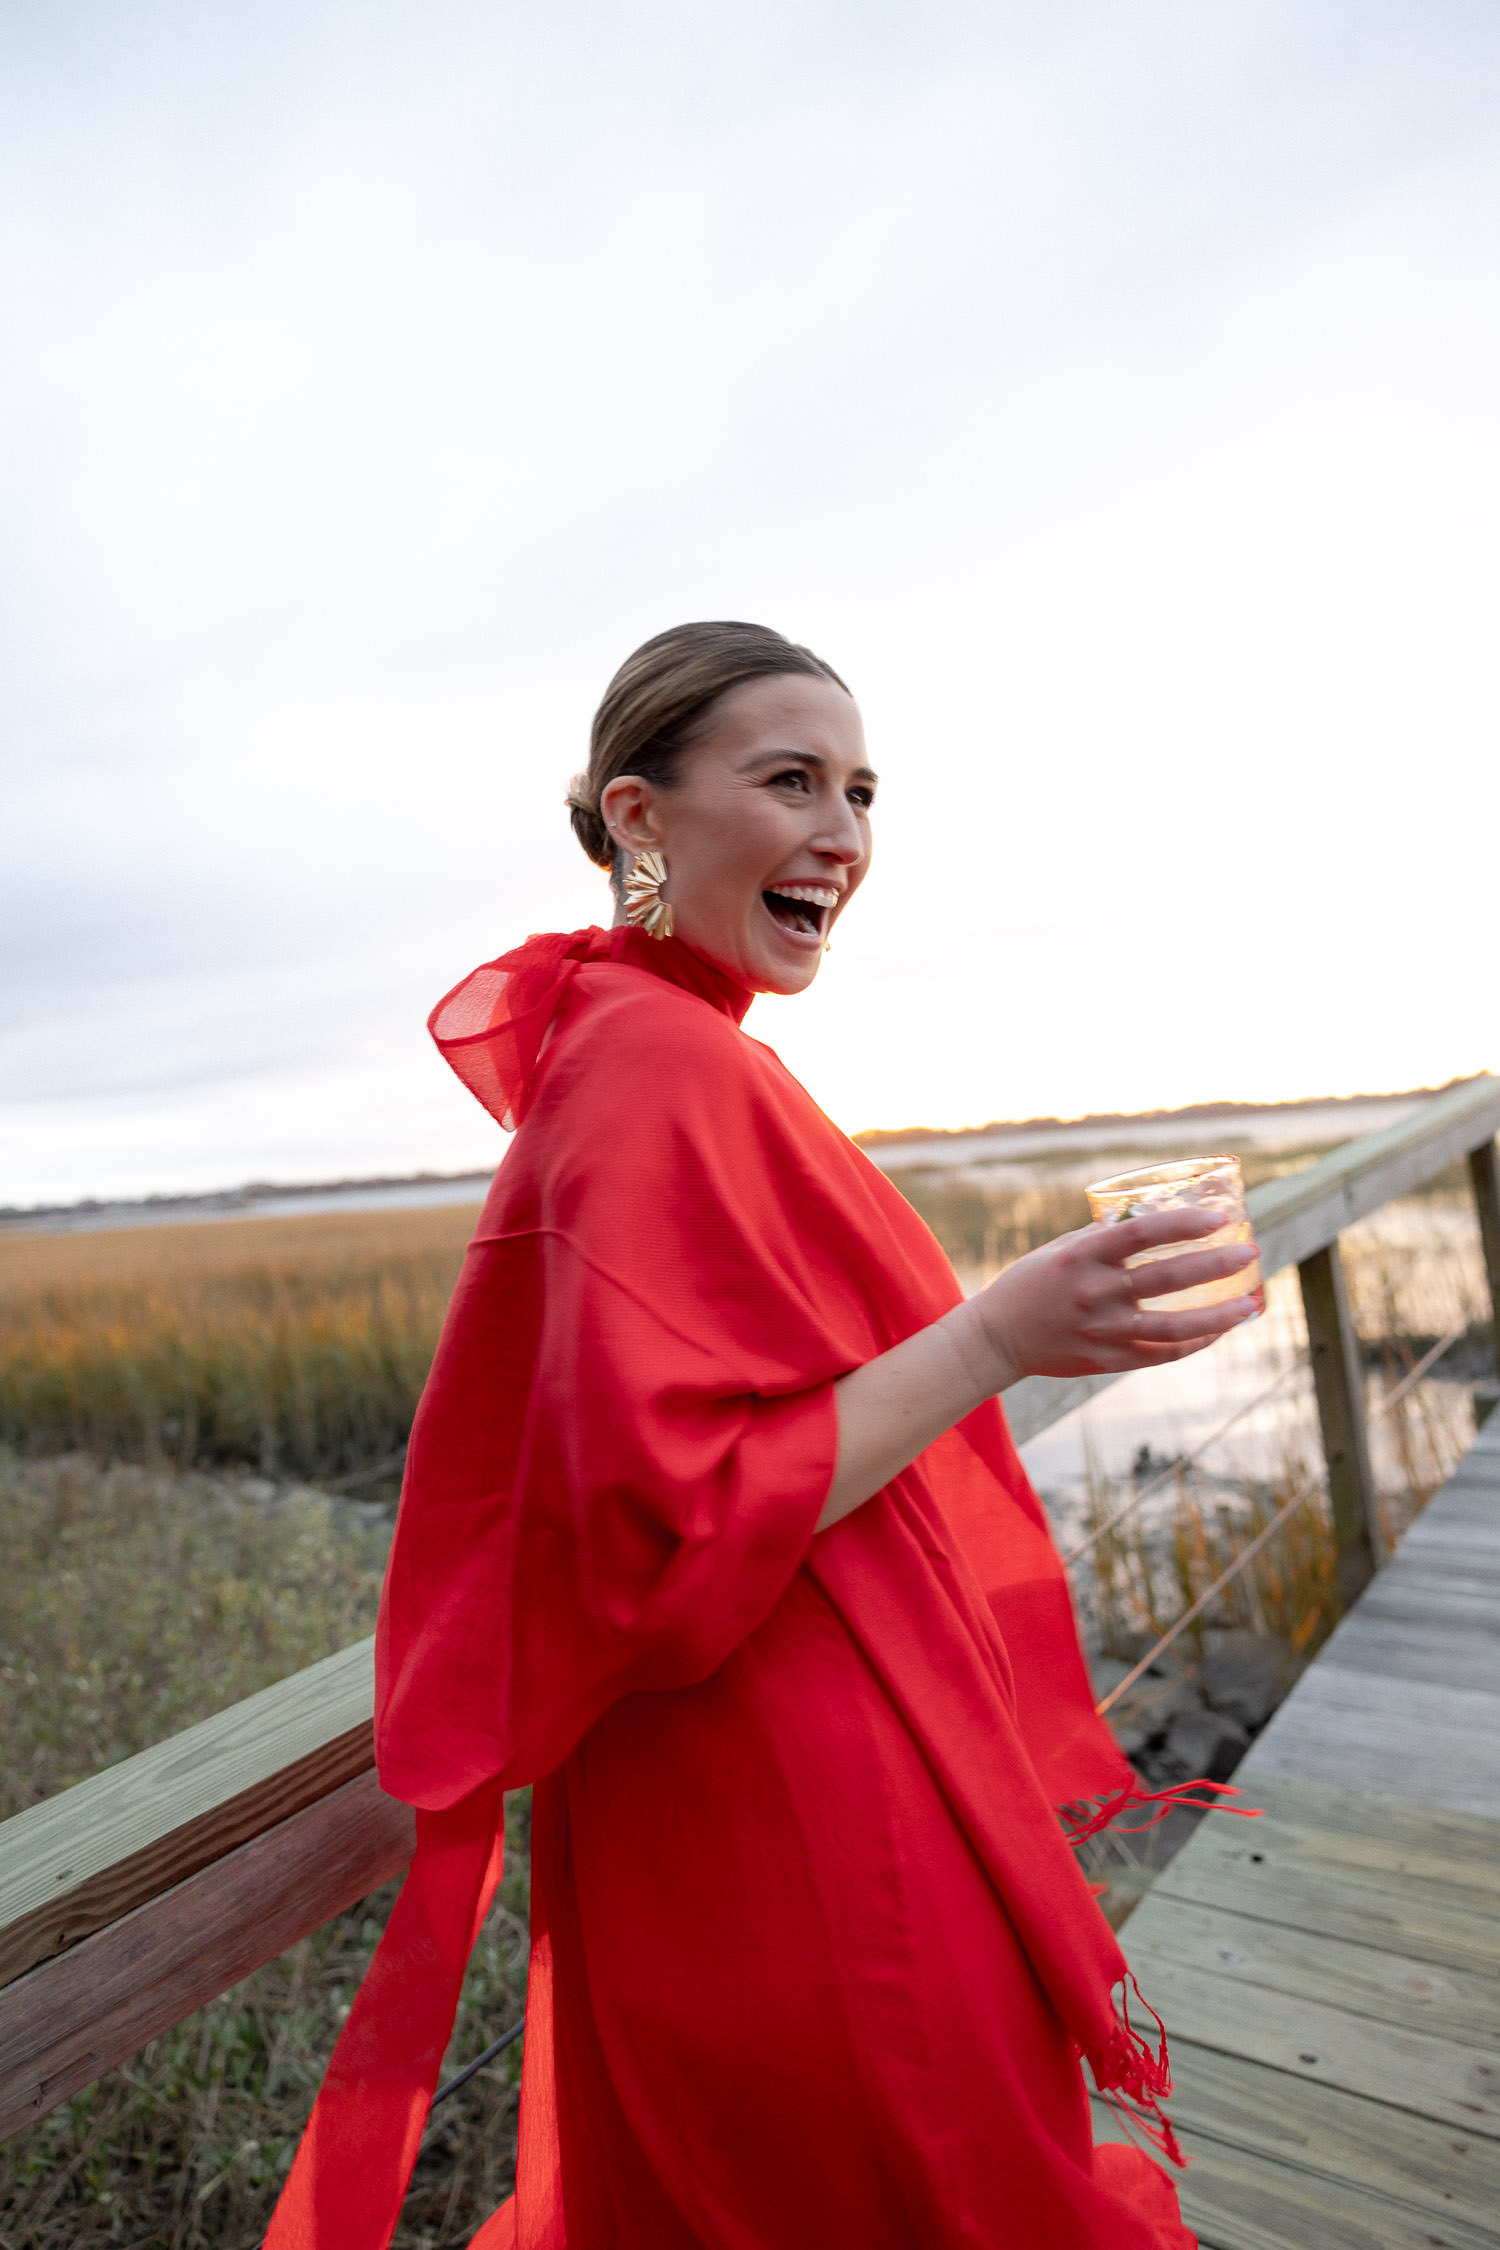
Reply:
x=630, y=810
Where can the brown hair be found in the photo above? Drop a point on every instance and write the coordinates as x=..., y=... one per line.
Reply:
x=657, y=702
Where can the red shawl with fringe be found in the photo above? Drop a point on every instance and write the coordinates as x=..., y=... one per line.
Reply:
x=614, y=1477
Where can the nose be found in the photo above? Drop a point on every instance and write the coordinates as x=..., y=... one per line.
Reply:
x=842, y=840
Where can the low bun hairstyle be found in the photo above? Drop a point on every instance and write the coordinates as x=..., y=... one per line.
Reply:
x=657, y=702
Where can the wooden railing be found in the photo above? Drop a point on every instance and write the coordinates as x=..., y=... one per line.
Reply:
x=140, y=1894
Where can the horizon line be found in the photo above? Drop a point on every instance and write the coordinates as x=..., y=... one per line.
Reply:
x=250, y=1192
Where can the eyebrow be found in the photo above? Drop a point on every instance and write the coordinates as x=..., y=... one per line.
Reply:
x=805, y=758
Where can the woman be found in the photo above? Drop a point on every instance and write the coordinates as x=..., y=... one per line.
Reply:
x=713, y=1530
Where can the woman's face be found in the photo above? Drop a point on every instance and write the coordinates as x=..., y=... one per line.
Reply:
x=766, y=833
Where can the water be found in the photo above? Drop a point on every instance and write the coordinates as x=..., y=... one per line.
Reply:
x=254, y=1203
x=1088, y=1147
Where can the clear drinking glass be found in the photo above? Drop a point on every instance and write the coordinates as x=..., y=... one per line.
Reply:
x=1210, y=1184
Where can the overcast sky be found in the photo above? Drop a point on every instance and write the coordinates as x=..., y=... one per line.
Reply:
x=1108, y=391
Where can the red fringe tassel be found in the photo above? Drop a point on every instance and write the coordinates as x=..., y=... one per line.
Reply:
x=1080, y=1822
x=1134, y=2080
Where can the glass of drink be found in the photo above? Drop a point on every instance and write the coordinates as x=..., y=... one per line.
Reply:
x=1212, y=1185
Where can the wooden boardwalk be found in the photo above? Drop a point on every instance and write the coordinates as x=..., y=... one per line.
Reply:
x=1330, y=1974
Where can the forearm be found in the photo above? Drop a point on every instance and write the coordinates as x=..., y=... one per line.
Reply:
x=892, y=1408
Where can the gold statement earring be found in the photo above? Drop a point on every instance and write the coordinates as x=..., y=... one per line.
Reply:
x=644, y=904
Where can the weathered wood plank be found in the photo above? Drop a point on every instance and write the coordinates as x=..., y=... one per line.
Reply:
x=1236, y=2199
x=1457, y=1549
x=1467, y=1510
x=96, y=2005
x=1437, y=1746
x=1321, y=2129
x=1423, y=1588
x=79, y=1861
x=1417, y=1587
x=1413, y=1881
x=1471, y=1505
x=1431, y=2076
x=1444, y=1930
x=1461, y=1650
x=1451, y=1560
x=1467, y=1532
x=1396, y=1988
x=1336, y=1831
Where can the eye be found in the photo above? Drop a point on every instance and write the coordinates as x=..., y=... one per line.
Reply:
x=795, y=775
x=862, y=795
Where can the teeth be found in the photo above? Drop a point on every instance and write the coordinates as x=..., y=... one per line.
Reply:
x=811, y=894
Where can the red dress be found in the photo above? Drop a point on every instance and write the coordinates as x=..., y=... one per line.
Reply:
x=812, y=1963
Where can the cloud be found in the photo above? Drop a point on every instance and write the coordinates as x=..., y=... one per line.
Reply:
x=1108, y=393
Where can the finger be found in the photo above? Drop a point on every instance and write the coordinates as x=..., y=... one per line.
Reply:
x=1157, y=1339
x=1126, y=1238
x=1199, y=1325
x=1125, y=1359
x=1131, y=1359
x=1166, y=1355
x=1164, y=1276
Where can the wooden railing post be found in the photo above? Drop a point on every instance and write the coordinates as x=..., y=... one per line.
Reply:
x=1339, y=1382
x=1484, y=1171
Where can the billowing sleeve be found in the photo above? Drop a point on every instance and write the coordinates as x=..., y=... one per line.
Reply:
x=629, y=1430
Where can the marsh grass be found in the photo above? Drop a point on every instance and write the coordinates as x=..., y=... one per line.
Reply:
x=298, y=1346
x=983, y=1227
x=1142, y=1579
x=134, y=1602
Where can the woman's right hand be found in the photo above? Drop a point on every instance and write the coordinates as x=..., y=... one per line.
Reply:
x=1073, y=1307
x=1067, y=1309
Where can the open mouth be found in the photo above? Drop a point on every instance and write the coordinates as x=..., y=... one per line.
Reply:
x=804, y=909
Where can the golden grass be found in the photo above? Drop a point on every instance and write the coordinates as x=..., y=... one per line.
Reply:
x=1142, y=1580
x=983, y=1228
x=296, y=1345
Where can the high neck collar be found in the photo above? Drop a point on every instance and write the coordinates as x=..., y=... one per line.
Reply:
x=491, y=1028
x=676, y=961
